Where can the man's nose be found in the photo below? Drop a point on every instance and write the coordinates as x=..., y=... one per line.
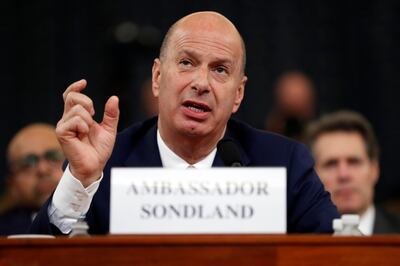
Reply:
x=344, y=171
x=43, y=167
x=201, y=82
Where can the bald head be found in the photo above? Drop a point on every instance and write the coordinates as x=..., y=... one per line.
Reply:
x=26, y=140
x=35, y=159
x=294, y=94
x=206, y=20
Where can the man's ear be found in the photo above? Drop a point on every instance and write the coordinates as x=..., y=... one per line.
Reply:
x=239, y=94
x=156, y=76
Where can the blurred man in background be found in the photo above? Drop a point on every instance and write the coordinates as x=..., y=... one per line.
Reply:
x=34, y=161
x=346, y=154
x=294, y=105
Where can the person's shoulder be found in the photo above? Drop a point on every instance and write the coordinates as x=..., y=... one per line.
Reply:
x=16, y=221
x=254, y=136
x=136, y=130
x=16, y=212
x=386, y=221
x=138, y=127
x=273, y=147
x=131, y=135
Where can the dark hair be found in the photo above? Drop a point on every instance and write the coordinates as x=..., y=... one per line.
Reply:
x=347, y=121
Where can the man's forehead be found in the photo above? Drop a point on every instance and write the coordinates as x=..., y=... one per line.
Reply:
x=225, y=44
x=207, y=19
x=204, y=29
x=335, y=144
x=209, y=26
x=33, y=140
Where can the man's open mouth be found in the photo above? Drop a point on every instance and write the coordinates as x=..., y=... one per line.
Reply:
x=197, y=107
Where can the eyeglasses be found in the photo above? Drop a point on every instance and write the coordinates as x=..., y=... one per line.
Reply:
x=31, y=161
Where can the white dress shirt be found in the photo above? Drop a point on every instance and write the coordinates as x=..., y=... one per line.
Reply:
x=170, y=159
x=71, y=200
x=367, y=221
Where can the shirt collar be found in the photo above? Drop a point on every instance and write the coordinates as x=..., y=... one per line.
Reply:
x=169, y=159
x=367, y=221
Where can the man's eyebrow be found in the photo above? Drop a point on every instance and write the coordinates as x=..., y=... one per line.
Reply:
x=216, y=60
x=190, y=53
x=330, y=161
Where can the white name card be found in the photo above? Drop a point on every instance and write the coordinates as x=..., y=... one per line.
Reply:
x=209, y=201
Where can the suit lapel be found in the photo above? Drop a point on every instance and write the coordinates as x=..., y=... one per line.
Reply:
x=146, y=153
x=231, y=134
x=385, y=222
x=217, y=161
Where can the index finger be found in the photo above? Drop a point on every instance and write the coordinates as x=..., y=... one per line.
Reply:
x=77, y=86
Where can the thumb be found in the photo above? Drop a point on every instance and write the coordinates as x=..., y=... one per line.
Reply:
x=111, y=114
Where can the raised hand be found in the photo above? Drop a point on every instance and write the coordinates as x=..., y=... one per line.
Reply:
x=86, y=143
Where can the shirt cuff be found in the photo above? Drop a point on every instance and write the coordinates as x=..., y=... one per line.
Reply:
x=71, y=199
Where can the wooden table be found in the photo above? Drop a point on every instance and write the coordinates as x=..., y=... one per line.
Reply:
x=203, y=250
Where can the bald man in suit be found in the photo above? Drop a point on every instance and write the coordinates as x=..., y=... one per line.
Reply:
x=199, y=80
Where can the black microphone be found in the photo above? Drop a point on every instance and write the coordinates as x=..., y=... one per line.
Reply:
x=229, y=153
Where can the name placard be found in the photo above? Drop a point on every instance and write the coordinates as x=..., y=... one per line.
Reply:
x=198, y=201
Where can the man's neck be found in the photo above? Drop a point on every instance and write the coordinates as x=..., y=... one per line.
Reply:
x=191, y=148
x=367, y=207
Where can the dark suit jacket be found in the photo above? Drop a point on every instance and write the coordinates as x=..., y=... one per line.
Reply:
x=385, y=222
x=15, y=221
x=309, y=207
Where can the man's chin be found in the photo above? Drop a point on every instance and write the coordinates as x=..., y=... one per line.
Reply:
x=194, y=133
x=194, y=128
x=348, y=209
x=200, y=129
